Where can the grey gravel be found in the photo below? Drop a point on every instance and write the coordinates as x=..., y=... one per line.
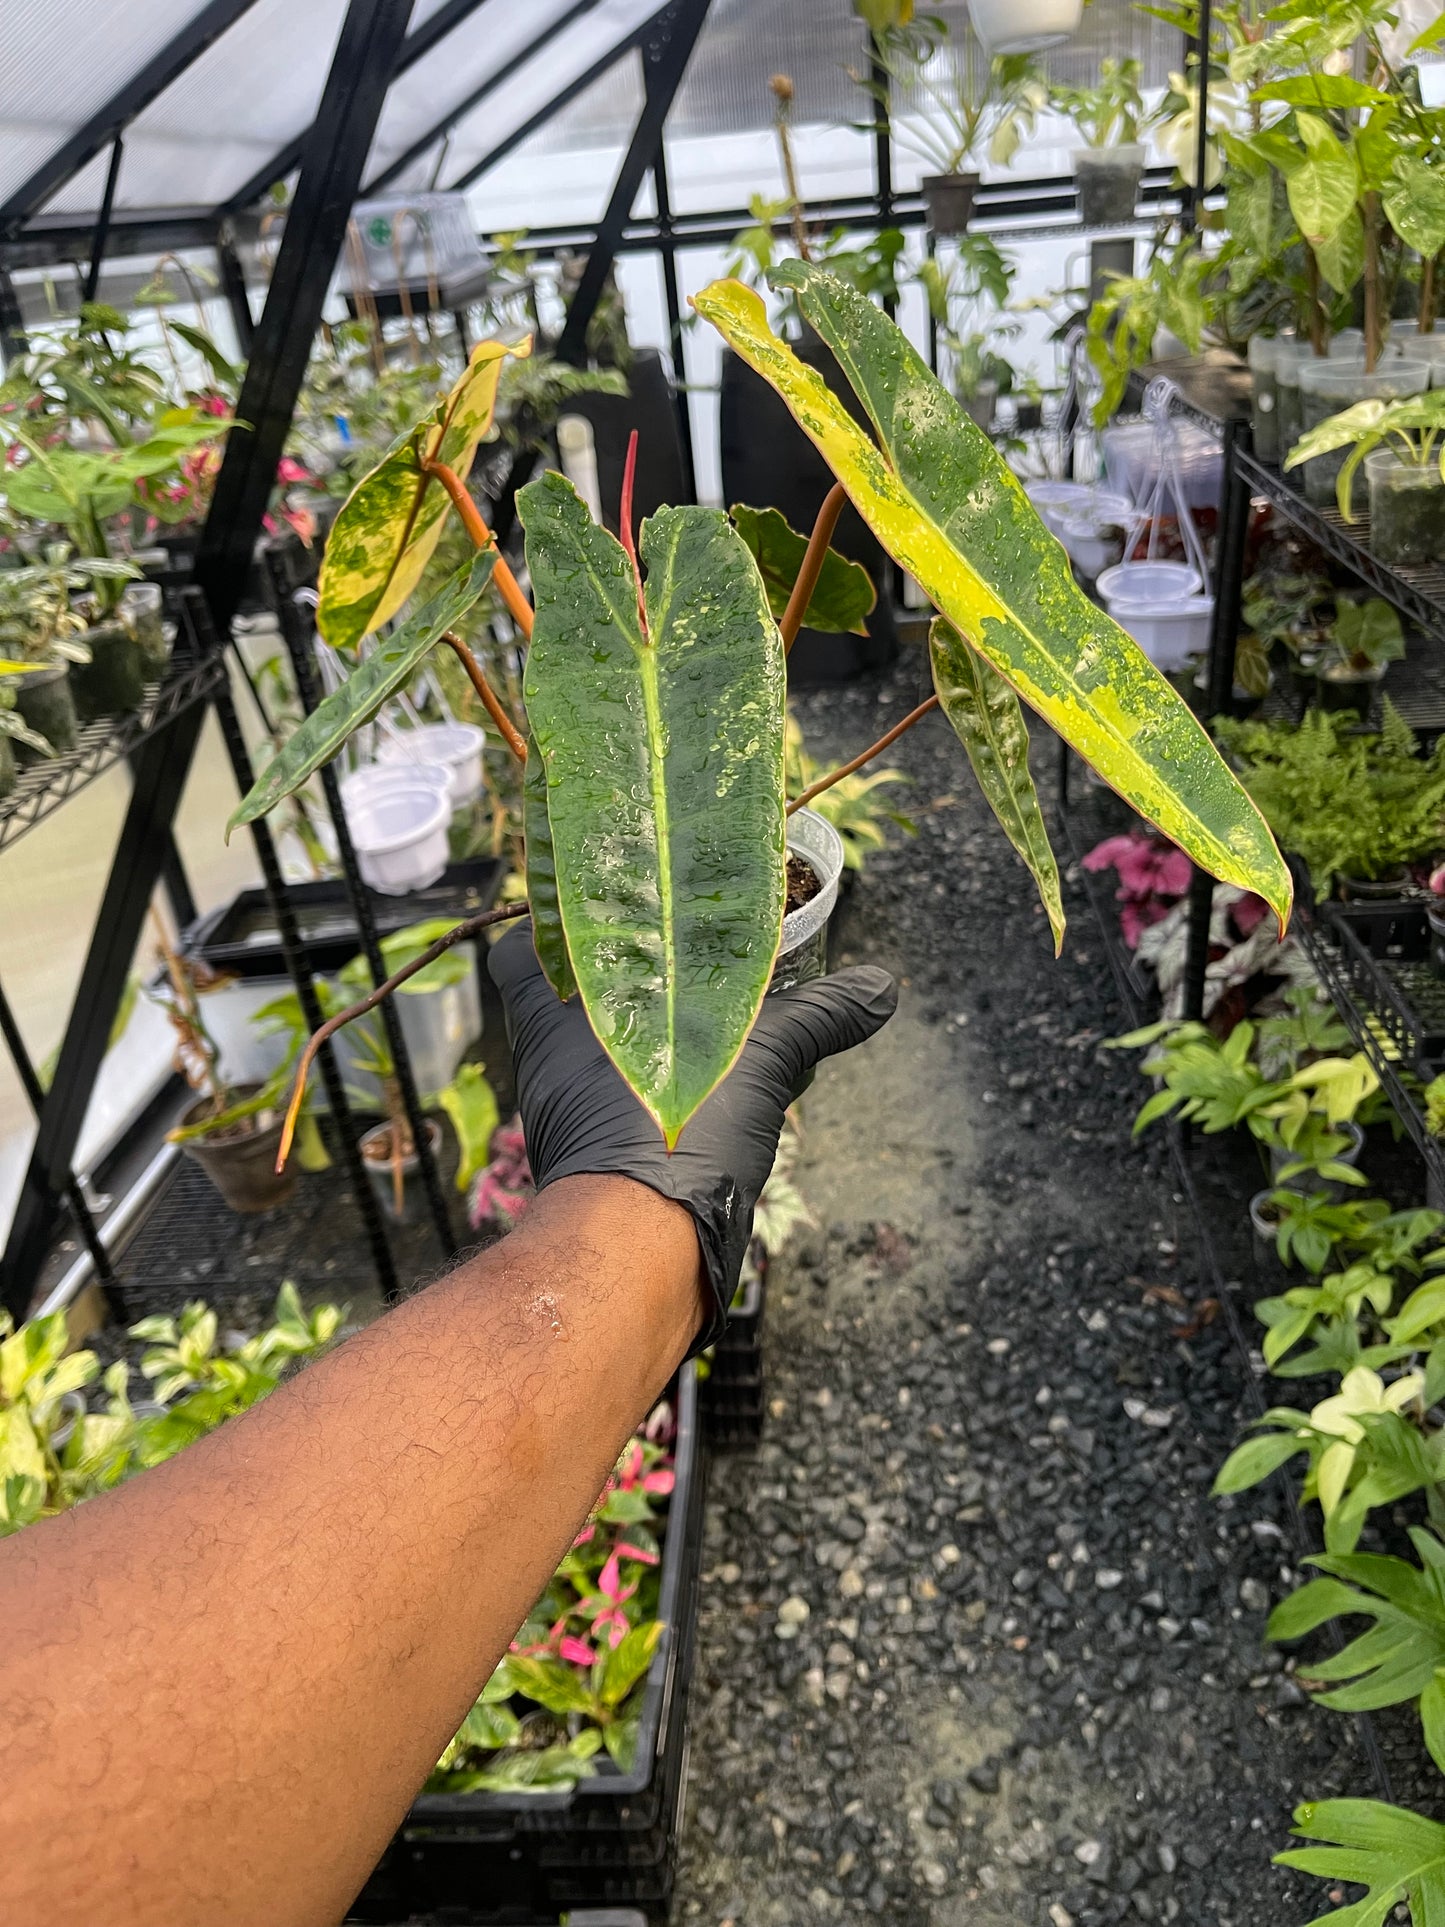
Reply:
x=1033, y=1629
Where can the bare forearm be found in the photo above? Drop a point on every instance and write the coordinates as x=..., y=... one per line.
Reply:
x=231, y=1676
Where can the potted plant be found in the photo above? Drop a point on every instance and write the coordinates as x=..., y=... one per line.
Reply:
x=14, y=729
x=1110, y=165
x=972, y=106
x=41, y=630
x=1361, y=643
x=964, y=299
x=1398, y=442
x=1357, y=806
x=671, y=951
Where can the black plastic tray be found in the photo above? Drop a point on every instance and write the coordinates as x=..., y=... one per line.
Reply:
x=732, y=1395
x=611, y=1841
x=1384, y=951
x=241, y=935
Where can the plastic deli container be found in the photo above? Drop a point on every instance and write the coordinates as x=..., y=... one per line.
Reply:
x=1149, y=582
x=401, y=836
x=456, y=746
x=1169, y=633
x=380, y=779
x=1327, y=388
x=803, y=953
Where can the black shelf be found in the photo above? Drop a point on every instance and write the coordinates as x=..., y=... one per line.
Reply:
x=44, y=786
x=1416, y=593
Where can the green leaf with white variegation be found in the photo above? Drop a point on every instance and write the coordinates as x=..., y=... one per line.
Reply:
x=1324, y=183
x=948, y=509
x=392, y=520
x=664, y=764
x=1414, y=202
x=844, y=597
x=986, y=717
x=548, y=937
x=388, y=667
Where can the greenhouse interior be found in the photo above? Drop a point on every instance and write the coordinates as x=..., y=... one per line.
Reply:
x=557, y=1366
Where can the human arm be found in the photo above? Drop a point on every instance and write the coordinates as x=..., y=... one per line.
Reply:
x=221, y=1685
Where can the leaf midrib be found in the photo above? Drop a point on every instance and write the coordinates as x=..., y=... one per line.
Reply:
x=646, y=650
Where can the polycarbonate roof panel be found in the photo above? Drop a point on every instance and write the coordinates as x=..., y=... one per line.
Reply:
x=61, y=61
x=226, y=116
x=563, y=175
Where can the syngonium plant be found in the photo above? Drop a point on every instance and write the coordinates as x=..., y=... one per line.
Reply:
x=655, y=685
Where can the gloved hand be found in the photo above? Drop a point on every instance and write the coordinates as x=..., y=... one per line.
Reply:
x=580, y=1119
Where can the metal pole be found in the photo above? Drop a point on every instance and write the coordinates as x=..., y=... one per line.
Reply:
x=1194, y=198
x=233, y=286
x=1223, y=636
x=102, y=224
x=675, y=334
x=336, y=148
x=883, y=152
x=13, y=342
x=298, y=966
x=299, y=650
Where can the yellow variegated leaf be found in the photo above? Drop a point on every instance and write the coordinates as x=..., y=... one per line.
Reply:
x=946, y=506
x=391, y=522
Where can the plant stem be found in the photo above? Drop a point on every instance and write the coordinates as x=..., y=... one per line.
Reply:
x=1374, y=342
x=1317, y=319
x=624, y=520
x=812, y=565
x=491, y=702
x=508, y=586
x=457, y=934
x=1426, y=323
x=837, y=775
x=783, y=90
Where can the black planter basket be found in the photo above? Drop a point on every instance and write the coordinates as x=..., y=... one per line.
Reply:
x=732, y=1396
x=508, y=1859
x=1383, y=953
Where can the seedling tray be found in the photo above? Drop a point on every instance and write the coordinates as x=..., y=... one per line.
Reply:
x=241, y=936
x=503, y=1859
x=1384, y=955
x=732, y=1396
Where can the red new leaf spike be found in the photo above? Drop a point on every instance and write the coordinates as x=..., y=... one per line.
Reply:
x=629, y=470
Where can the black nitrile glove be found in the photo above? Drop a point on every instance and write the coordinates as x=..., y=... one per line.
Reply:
x=580, y=1119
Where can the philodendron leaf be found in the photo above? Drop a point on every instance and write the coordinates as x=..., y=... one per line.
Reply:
x=844, y=597
x=945, y=505
x=985, y=714
x=548, y=937
x=1396, y=1854
x=390, y=664
x=392, y=520
x=664, y=761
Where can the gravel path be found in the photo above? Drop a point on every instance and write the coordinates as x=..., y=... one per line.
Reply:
x=976, y=1644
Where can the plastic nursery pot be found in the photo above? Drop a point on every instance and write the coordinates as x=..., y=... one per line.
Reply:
x=1372, y=889
x=1407, y=508
x=1024, y=26
x=1290, y=357
x=1338, y=687
x=1264, y=414
x=241, y=1162
x=949, y=201
x=803, y=953
x=1327, y=387
x=1152, y=582
x=1107, y=179
x=456, y=746
x=113, y=682
x=1407, y=341
x=400, y=835
x=1280, y=1159
x=43, y=700
x=1171, y=633
x=380, y=1174
x=1264, y=1217
x=1435, y=917
x=141, y=608
x=1094, y=545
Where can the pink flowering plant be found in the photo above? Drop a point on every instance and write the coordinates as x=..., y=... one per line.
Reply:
x=1153, y=876
x=569, y=1687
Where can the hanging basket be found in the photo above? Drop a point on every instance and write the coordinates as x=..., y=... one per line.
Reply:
x=1024, y=26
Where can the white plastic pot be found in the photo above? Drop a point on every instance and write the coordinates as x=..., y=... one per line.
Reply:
x=1149, y=582
x=381, y=779
x=803, y=952
x=1169, y=632
x=456, y=746
x=1024, y=26
x=401, y=836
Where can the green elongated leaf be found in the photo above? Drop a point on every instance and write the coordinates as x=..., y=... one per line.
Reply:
x=1322, y=91
x=945, y=505
x=1428, y=37
x=1414, y=202
x=1351, y=425
x=392, y=520
x=1397, y=1659
x=471, y=1104
x=389, y=666
x=627, y=1661
x=664, y=761
x=986, y=717
x=225, y=373
x=1323, y=186
x=1432, y=1719
x=548, y=937
x=844, y=597
x=1397, y=1855
x=1247, y=1464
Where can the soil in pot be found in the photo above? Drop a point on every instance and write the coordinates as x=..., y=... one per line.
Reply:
x=44, y=701
x=1407, y=509
x=396, y=1182
x=1264, y=1217
x=949, y=200
x=1372, y=889
x=1108, y=179
x=241, y=1160
x=804, y=883
x=113, y=682
x=1338, y=688
x=814, y=868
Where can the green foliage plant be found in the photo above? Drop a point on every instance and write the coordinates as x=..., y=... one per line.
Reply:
x=949, y=101
x=1109, y=114
x=1411, y=429
x=656, y=844
x=39, y=623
